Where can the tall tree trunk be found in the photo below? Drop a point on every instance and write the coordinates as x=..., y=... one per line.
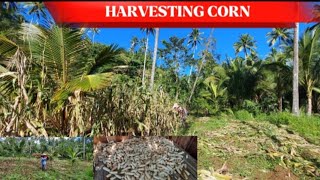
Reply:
x=201, y=65
x=295, y=93
x=245, y=54
x=317, y=103
x=154, y=59
x=63, y=115
x=280, y=103
x=191, y=68
x=177, y=83
x=84, y=146
x=309, y=105
x=194, y=51
x=144, y=62
x=177, y=95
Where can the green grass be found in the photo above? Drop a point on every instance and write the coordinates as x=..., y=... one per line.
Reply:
x=242, y=131
x=306, y=126
x=204, y=156
x=309, y=127
x=199, y=127
x=243, y=115
x=250, y=166
x=29, y=168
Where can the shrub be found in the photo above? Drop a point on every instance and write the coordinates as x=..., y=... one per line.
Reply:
x=262, y=117
x=280, y=118
x=243, y=115
x=251, y=107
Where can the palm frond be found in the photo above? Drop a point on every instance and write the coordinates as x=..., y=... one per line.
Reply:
x=107, y=59
x=148, y=31
x=86, y=83
x=90, y=82
x=316, y=89
x=7, y=47
x=58, y=48
x=7, y=78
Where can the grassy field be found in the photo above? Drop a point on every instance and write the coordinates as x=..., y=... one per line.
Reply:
x=29, y=168
x=257, y=148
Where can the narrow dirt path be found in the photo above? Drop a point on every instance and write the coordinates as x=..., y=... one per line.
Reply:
x=257, y=150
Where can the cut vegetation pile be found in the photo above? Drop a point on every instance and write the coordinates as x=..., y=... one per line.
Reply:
x=142, y=158
x=253, y=149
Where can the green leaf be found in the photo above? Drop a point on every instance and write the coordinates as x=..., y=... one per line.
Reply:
x=3, y=69
x=316, y=89
x=107, y=60
x=86, y=83
x=7, y=47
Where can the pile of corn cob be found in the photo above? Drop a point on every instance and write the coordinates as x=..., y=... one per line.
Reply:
x=142, y=158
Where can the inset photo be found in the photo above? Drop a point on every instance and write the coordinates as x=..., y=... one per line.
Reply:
x=151, y=157
x=46, y=158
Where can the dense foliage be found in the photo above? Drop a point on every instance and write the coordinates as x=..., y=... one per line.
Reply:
x=61, y=148
x=58, y=81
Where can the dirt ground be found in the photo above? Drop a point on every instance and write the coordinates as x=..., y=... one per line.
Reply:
x=29, y=168
x=256, y=150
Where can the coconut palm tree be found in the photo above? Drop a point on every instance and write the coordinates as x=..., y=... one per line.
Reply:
x=309, y=47
x=194, y=40
x=94, y=31
x=295, y=83
x=8, y=6
x=59, y=48
x=246, y=43
x=55, y=52
x=154, y=59
x=73, y=154
x=279, y=71
x=133, y=44
x=242, y=79
x=148, y=31
x=88, y=31
x=37, y=8
x=205, y=53
x=10, y=19
x=279, y=36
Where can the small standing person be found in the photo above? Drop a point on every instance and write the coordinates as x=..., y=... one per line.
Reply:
x=182, y=112
x=44, y=159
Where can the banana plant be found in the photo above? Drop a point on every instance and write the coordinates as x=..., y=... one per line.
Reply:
x=215, y=91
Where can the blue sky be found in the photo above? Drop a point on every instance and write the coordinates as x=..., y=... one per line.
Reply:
x=225, y=37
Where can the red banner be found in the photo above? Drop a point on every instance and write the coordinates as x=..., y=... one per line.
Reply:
x=180, y=14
